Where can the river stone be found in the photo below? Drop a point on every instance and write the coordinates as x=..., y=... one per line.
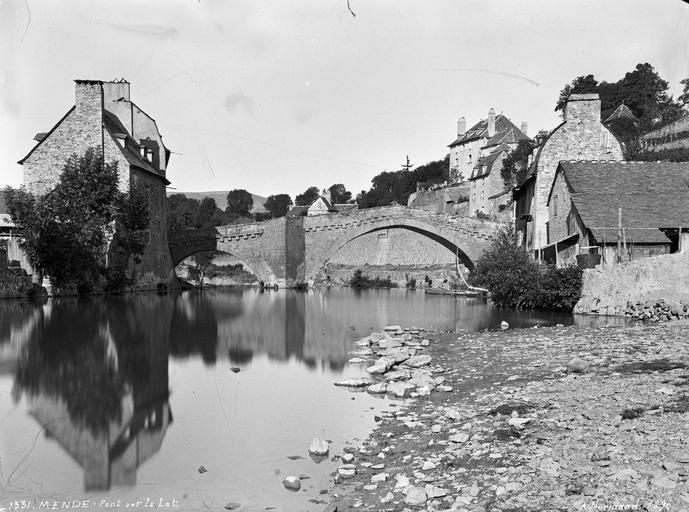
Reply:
x=399, y=354
x=389, y=343
x=397, y=375
x=376, y=389
x=389, y=328
x=504, y=325
x=347, y=470
x=381, y=365
x=418, y=361
x=415, y=496
x=292, y=483
x=380, y=477
x=387, y=498
x=400, y=389
x=363, y=342
x=318, y=447
x=577, y=366
x=433, y=491
x=355, y=360
x=358, y=382
x=461, y=437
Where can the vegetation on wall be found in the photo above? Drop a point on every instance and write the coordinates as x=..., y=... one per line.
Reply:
x=389, y=187
x=515, y=280
x=359, y=280
x=67, y=231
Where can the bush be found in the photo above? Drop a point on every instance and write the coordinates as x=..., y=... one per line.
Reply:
x=359, y=280
x=515, y=280
x=411, y=283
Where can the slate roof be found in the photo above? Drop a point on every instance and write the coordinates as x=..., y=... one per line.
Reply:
x=115, y=127
x=484, y=166
x=480, y=130
x=651, y=195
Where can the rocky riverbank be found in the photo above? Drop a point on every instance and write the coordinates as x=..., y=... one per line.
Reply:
x=556, y=419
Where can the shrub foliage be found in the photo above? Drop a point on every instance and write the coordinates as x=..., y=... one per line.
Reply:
x=359, y=280
x=515, y=280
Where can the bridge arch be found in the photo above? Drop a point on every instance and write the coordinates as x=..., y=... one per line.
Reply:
x=465, y=237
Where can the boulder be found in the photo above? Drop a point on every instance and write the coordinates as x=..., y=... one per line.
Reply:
x=389, y=343
x=397, y=375
x=381, y=365
x=433, y=491
x=577, y=366
x=504, y=325
x=418, y=361
x=461, y=437
x=416, y=496
x=318, y=447
x=376, y=389
x=292, y=483
x=399, y=354
x=393, y=328
x=400, y=389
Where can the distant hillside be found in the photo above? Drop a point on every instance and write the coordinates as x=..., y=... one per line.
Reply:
x=220, y=197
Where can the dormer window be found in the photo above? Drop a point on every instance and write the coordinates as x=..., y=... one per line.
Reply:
x=122, y=141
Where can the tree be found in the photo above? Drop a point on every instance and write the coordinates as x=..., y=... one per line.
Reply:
x=67, y=231
x=580, y=85
x=182, y=212
x=642, y=90
x=278, y=205
x=684, y=97
x=308, y=197
x=515, y=165
x=339, y=194
x=239, y=203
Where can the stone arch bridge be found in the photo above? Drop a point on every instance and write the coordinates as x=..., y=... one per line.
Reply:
x=290, y=250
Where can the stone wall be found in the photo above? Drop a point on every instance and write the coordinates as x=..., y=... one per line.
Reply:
x=393, y=247
x=155, y=265
x=441, y=200
x=607, y=290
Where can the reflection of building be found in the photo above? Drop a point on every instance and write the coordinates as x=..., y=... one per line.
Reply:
x=95, y=376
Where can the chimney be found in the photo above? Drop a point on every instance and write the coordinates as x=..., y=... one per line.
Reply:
x=88, y=98
x=113, y=91
x=461, y=126
x=524, y=127
x=583, y=108
x=491, y=122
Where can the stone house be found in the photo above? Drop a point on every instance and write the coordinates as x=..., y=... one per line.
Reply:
x=104, y=118
x=487, y=188
x=580, y=136
x=324, y=205
x=618, y=210
x=480, y=140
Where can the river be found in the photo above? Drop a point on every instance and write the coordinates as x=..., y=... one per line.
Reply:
x=204, y=398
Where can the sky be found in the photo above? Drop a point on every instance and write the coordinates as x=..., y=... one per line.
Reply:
x=277, y=96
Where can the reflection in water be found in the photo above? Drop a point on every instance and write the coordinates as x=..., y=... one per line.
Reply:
x=95, y=376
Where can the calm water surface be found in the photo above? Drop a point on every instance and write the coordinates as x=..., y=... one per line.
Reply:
x=124, y=398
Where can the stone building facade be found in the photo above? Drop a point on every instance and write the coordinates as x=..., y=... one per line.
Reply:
x=581, y=136
x=104, y=118
x=474, y=153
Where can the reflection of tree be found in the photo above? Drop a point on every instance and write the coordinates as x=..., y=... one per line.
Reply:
x=70, y=360
x=95, y=374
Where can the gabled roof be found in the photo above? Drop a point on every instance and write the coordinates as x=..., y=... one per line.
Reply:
x=117, y=130
x=21, y=162
x=622, y=112
x=485, y=164
x=480, y=130
x=652, y=195
x=510, y=136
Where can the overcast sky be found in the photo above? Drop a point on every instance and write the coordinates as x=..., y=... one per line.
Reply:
x=276, y=96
